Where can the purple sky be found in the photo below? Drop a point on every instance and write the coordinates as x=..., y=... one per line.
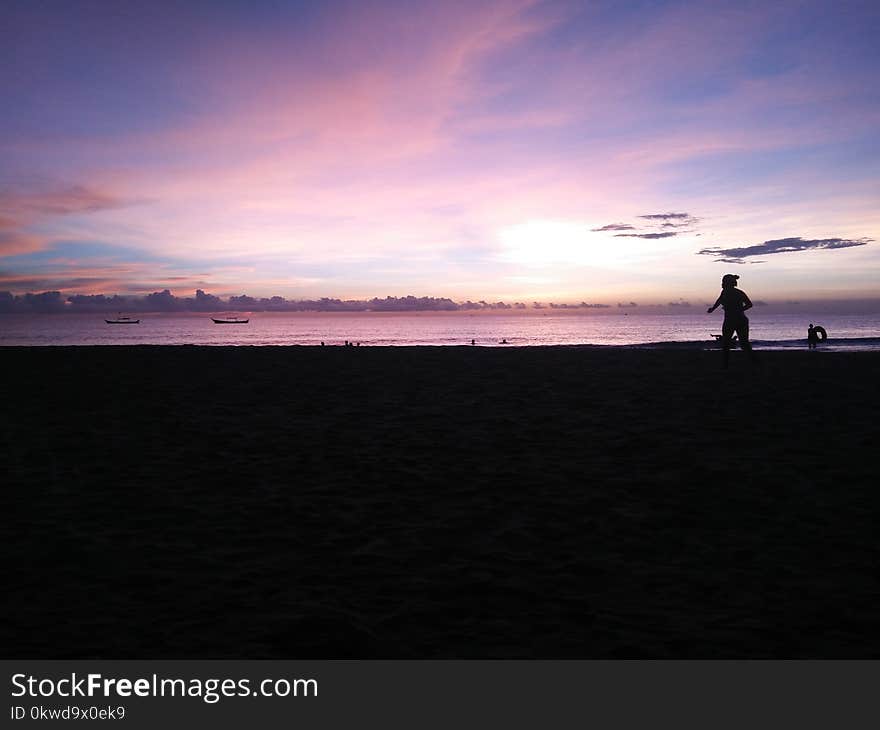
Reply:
x=516, y=150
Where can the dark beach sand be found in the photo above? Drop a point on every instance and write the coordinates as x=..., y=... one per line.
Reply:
x=339, y=502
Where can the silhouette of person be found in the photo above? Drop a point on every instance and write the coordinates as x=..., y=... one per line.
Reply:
x=735, y=303
x=812, y=337
x=473, y=342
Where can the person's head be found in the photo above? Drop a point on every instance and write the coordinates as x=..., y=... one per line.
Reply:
x=811, y=325
x=729, y=280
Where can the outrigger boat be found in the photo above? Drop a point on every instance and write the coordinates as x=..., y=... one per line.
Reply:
x=122, y=320
x=230, y=320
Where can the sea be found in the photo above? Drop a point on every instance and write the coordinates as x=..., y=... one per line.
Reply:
x=532, y=328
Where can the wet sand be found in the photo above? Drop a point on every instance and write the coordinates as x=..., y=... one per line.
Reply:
x=185, y=502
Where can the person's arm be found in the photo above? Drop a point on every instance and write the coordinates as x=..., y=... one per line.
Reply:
x=747, y=303
x=714, y=306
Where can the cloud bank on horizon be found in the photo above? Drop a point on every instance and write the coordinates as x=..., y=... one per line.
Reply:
x=512, y=149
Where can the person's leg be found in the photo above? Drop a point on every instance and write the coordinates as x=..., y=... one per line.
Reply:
x=727, y=330
x=743, y=331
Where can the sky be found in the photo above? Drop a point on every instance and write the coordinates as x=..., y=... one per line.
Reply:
x=499, y=150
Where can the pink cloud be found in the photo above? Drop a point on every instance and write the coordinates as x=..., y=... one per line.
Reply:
x=21, y=209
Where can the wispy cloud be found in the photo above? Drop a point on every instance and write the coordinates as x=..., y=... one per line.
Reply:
x=59, y=200
x=23, y=208
x=675, y=221
x=672, y=220
x=665, y=216
x=614, y=227
x=13, y=240
x=651, y=236
x=781, y=245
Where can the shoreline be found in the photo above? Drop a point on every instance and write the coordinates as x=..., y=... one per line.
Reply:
x=864, y=345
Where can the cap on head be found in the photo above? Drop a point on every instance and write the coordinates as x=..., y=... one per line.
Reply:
x=729, y=279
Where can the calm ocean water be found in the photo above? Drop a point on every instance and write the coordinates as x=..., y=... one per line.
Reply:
x=781, y=331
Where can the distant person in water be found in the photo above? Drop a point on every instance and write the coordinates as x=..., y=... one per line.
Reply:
x=812, y=337
x=735, y=303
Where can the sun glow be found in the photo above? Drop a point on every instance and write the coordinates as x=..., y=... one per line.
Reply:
x=553, y=243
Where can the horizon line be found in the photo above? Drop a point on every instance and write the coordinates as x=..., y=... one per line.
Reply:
x=55, y=301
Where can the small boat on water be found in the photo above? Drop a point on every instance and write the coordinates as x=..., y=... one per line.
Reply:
x=229, y=320
x=122, y=320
